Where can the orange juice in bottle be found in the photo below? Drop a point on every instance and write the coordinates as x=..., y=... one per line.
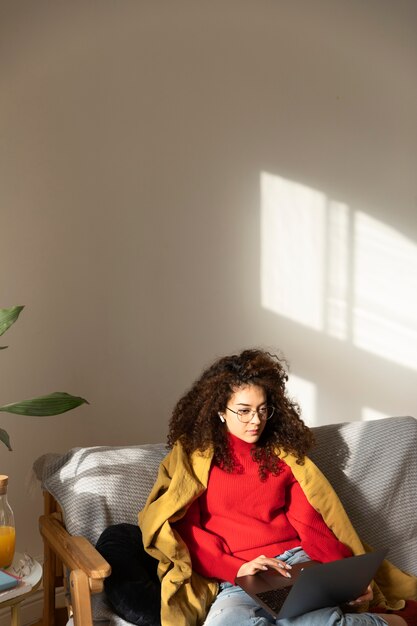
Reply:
x=7, y=528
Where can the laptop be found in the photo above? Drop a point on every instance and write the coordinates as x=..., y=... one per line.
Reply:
x=312, y=585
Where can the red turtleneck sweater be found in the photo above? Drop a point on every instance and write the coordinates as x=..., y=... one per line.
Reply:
x=239, y=517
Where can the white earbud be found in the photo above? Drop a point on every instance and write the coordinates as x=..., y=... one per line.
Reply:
x=221, y=418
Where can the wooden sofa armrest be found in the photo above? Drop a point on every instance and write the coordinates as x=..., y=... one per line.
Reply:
x=74, y=552
x=87, y=567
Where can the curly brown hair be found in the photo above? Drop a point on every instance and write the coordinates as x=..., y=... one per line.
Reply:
x=195, y=419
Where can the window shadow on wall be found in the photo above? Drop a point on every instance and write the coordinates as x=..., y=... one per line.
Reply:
x=339, y=272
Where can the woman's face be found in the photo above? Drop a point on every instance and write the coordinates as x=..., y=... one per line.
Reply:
x=246, y=397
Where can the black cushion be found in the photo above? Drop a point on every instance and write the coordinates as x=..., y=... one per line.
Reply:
x=133, y=589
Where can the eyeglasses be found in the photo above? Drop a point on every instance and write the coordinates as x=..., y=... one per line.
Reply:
x=246, y=415
x=23, y=566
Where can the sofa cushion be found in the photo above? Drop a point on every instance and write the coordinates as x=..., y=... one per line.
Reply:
x=373, y=468
x=102, y=485
x=133, y=589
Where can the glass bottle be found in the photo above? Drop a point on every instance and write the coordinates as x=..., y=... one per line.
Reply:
x=7, y=527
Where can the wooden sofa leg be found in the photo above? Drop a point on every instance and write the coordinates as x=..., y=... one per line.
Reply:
x=80, y=598
x=49, y=573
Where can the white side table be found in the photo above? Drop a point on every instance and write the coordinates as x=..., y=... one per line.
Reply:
x=34, y=578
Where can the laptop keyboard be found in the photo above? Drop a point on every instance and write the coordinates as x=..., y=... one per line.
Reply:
x=274, y=598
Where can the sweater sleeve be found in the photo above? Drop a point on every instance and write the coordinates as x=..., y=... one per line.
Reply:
x=210, y=555
x=316, y=538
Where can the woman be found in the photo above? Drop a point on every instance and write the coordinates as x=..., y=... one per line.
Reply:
x=228, y=501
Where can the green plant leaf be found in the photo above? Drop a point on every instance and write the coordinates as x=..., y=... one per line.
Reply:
x=52, y=404
x=4, y=437
x=8, y=317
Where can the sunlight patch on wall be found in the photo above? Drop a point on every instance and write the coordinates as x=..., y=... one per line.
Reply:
x=304, y=393
x=337, y=271
x=293, y=237
x=300, y=230
x=385, y=296
x=370, y=414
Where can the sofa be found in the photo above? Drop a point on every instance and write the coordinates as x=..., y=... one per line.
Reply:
x=371, y=465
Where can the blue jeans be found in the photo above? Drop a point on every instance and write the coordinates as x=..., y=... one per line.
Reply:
x=233, y=607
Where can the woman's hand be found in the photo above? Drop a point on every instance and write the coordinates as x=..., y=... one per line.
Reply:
x=365, y=597
x=262, y=563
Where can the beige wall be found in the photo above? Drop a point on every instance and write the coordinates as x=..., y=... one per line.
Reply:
x=184, y=179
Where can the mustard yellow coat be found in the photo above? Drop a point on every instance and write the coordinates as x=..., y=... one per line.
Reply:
x=186, y=596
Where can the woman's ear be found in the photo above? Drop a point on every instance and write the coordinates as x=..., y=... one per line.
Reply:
x=221, y=418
